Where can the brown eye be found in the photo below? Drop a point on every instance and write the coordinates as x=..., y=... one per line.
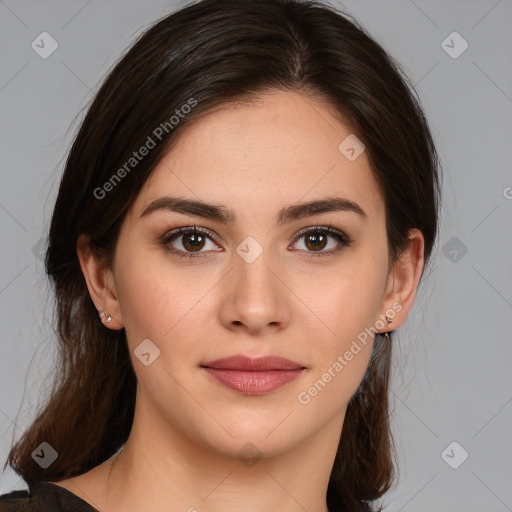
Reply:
x=193, y=241
x=189, y=242
x=315, y=240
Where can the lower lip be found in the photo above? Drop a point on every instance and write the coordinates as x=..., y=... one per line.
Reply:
x=254, y=382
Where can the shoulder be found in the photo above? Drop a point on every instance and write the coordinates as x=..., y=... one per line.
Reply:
x=43, y=497
x=15, y=501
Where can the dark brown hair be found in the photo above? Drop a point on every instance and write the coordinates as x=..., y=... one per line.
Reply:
x=209, y=54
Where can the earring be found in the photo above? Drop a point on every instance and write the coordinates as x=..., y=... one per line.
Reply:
x=108, y=319
x=386, y=334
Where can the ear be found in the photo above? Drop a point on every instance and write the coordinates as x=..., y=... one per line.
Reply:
x=403, y=282
x=100, y=283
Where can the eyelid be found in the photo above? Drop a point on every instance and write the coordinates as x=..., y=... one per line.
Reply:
x=328, y=228
x=187, y=229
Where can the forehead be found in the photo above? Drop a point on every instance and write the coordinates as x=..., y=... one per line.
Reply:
x=254, y=156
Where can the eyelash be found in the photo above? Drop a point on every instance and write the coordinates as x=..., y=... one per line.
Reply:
x=342, y=239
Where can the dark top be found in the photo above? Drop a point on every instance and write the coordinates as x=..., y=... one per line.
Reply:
x=44, y=497
x=49, y=497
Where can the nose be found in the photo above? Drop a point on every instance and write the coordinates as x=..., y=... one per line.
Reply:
x=255, y=298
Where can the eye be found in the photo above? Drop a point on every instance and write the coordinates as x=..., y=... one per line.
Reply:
x=186, y=241
x=316, y=239
x=189, y=241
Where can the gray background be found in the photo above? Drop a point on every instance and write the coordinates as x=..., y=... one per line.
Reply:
x=452, y=378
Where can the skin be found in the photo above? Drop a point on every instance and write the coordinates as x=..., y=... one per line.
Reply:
x=254, y=158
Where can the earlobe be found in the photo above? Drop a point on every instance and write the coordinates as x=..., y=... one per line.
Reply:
x=404, y=279
x=100, y=284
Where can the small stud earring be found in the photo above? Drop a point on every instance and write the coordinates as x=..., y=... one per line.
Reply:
x=386, y=334
x=108, y=319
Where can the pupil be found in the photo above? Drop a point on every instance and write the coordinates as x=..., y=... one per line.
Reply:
x=317, y=240
x=194, y=240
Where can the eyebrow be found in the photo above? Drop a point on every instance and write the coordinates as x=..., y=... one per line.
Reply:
x=223, y=214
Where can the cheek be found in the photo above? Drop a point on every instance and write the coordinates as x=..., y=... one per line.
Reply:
x=341, y=354
x=164, y=306
x=344, y=314
x=158, y=300
x=346, y=303
x=346, y=300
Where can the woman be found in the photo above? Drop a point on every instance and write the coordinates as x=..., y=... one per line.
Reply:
x=244, y=218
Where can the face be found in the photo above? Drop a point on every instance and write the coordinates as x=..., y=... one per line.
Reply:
x=254, y=283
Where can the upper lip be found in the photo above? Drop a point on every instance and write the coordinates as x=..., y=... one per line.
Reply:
x=240, y=362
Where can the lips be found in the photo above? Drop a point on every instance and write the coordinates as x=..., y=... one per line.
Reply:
x=248, y=364
x=253, y=376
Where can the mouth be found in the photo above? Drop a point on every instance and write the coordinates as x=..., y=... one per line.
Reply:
x=253, y=376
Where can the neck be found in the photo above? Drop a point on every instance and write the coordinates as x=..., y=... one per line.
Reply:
x=170, y=471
